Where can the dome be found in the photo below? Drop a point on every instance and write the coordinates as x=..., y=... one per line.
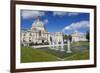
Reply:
x=37, y=23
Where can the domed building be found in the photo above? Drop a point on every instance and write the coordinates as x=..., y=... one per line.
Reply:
x=38, y=25
x=38, y=35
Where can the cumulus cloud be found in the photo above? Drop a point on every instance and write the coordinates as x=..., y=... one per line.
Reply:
x=29, y=14
x=45, y=21
x=77, y=26
x=59, y=13
x=72, y=13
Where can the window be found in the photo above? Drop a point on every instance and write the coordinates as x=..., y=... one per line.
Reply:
x=39, y=33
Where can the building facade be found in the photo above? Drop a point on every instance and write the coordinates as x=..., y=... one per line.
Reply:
x=38, y=35
x=77, y=36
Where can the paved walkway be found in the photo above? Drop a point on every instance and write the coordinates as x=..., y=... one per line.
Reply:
x=40, y=46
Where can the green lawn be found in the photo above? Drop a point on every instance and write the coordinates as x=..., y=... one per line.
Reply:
x=80, y=44
x=79, y=56
x=35, y=55
x=29, y=54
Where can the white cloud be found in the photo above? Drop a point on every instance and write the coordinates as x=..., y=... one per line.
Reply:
x=59, y=13
x=45, y=21
x=77, y=25
x=29, y=13
x=64, y=13
x=72, y=13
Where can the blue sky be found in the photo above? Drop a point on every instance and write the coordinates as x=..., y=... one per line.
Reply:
x=57, y=21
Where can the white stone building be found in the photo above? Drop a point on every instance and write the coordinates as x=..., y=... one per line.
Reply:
x=38, y=35
x=77, y=36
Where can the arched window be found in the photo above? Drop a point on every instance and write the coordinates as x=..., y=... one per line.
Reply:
x=24, y=40
x=24, y=34
x=30, y=39
x=30, y=34
x=39, y=33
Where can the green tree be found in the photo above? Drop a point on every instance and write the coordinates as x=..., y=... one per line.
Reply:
x=88, y=35
x=70, y=37
x=65, y=37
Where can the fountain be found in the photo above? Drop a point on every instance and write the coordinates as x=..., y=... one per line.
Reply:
x=54, y=43
x=57, y=45
x=62, y=45
x=51, y=43
x=68, y=49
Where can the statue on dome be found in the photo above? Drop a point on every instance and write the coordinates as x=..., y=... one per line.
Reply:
x=38, y=24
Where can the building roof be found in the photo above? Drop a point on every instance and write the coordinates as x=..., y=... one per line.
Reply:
x=37, y=23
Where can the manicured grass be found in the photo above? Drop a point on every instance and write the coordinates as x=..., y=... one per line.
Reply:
x=35, y=55
x=75, y=55
x=80, y=44
x=79, y=56
x=29, y=54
